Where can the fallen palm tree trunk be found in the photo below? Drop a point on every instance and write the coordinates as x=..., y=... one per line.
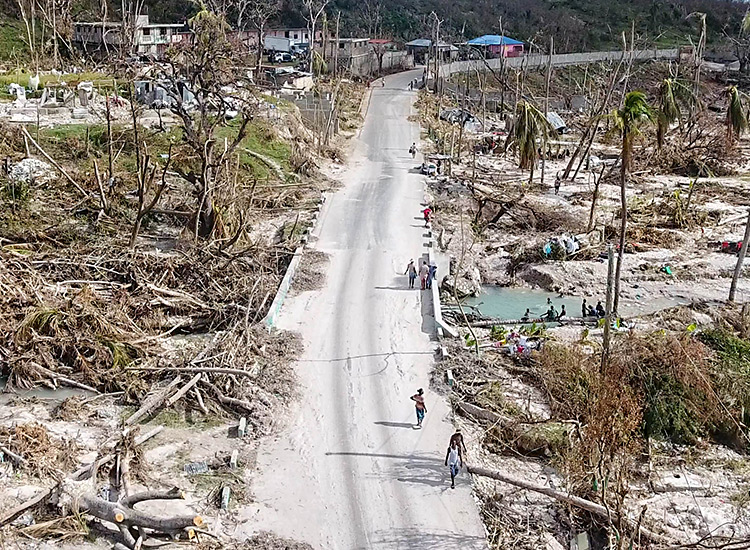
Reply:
x=578, y=502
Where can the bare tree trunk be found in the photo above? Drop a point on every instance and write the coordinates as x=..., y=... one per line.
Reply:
x=740, y=261
x=626, y=155
x=608, y=310
x=594, y=199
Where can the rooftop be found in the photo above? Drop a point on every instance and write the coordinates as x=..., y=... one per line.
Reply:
x=427, y=43
x=493, y=40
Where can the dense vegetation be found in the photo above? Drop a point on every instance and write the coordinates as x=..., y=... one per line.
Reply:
x=575, y=24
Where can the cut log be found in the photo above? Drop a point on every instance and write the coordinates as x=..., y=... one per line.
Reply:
x=118, y=513
x=175, y=493
x=152, y=403
x=583, y=504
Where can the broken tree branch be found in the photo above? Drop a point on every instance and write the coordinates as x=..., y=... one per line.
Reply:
x=573, y=500
x=52, y=161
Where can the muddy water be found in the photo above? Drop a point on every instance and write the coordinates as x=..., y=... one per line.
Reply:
x=48, y=394
x=511, y=303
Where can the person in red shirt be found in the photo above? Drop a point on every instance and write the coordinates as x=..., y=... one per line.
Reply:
x=427, y=213
x=419, y=405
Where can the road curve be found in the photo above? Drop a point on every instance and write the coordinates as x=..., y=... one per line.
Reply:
x=350, y=472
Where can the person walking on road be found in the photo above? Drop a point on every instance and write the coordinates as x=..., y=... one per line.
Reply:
x=419, y=406
x=453, y=461
x=411, y=271
x=458, y=438
x=424, y=271
x=413, y=150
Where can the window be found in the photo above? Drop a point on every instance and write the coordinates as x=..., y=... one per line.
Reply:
x=296, y=36
x=286, y=34
x=341, y=45
x=146, y=32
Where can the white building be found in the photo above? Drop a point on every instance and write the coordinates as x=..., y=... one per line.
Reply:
x=150, y=38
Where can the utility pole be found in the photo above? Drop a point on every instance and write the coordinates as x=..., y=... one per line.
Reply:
x=336, y=47
x=608, y=310
x=436, y=50
x=546, y=103
x=740, y=261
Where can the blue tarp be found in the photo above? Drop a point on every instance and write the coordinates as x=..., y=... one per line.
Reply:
x=493, y=40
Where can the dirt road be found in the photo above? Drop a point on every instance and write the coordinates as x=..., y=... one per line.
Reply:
x=351, y=471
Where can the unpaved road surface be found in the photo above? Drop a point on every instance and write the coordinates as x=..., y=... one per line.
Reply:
x=350, y=471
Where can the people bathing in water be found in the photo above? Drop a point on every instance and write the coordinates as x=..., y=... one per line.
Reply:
x=600, y=309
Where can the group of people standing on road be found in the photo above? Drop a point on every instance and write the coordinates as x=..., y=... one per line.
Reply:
x=426, y=274
x=454, y=457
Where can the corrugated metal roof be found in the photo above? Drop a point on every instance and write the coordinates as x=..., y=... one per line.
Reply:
x=493, y=40
x=427, y=43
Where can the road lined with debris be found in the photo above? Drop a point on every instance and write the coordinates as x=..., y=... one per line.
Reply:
x=350, y=471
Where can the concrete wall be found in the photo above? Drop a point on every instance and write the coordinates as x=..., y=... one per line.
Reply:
x=559, y=60
x=366, y=64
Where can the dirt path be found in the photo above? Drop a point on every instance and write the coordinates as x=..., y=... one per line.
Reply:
x=350, y=471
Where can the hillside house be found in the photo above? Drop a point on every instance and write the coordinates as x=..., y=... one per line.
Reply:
x=151, y=39
x=422, y=48
x=494, y=45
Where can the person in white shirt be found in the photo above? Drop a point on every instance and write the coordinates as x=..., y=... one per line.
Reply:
x=454, y=461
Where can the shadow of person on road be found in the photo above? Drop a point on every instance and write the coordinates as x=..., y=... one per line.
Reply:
x=395, y=424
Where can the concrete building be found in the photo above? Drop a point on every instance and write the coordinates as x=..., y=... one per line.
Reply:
x=350, y=54
x=151, y=39
x=422, y=48
x=298, y=35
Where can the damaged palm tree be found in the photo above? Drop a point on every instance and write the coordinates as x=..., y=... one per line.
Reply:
x=529, y=127
x=736, y=120
x=203, y=79
x=673, y=94
x=634, y=112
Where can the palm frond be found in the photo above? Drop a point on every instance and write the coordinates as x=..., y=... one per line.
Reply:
x=736, y=117
x=635, y=111
x=746, y=22
x=530, y=126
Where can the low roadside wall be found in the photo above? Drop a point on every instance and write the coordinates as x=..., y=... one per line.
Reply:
x=536, y=61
